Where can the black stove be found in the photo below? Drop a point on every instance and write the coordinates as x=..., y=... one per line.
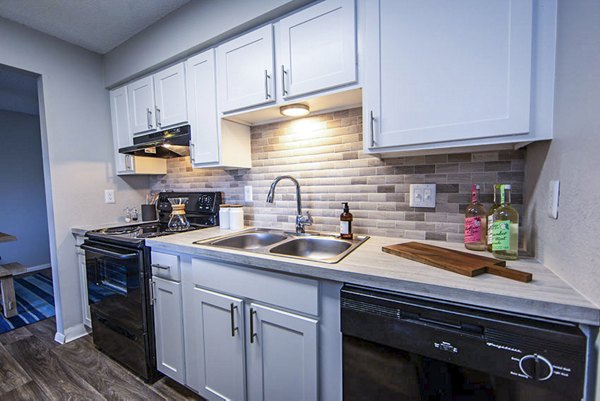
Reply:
x=118, y=269
x=202, y=211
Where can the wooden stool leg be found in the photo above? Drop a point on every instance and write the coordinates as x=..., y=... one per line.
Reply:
x=9, y=301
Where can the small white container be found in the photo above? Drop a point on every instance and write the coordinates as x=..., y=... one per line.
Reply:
x=224, y=217
x=236, y=217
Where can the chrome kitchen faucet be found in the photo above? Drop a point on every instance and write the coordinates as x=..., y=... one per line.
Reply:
x=301, y=220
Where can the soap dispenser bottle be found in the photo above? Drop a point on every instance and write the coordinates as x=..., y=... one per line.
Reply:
x=346, y=222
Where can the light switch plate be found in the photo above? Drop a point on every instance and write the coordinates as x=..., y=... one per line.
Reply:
x=553, y=195
x=109, y=196
x=422, y=195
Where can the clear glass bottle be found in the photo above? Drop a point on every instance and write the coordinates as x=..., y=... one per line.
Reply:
x=475, y=223
x=506, y=229
x=498, y=196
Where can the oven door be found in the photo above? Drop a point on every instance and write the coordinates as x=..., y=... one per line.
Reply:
x=117, y=294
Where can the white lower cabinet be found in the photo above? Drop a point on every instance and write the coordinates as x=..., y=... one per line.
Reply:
x=168, y=323
x=281, y=355
x=250, y=334
x=218, y=332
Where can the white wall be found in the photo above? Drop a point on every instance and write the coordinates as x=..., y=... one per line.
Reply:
x=77, y=142
x=570, y=245
x=195, y=26
x=23, y=211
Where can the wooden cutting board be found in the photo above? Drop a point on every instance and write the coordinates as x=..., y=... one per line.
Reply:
x=463, y=263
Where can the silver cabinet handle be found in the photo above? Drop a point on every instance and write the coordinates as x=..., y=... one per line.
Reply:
x=232, y=309
x=267, y=79
x=128, y=166
x=161, y=266
x=252, y=333
x=192, y=151
x=283, y=79
x=158, y=122
x=149, y=117
x=372, y=120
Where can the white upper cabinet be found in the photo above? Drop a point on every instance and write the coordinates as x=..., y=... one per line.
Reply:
x=316, y=48
x=246, y=71
x=122, y=137
x=141, y=105
x=119, y=111
x=170, y=96
x=214, y=143
x=158, y=101
x=202, y=106
x=439, y=72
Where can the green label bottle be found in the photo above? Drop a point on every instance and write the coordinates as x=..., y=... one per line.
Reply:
x=505, y=228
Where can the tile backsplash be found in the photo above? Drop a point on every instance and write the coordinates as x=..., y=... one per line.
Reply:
x=324, y=152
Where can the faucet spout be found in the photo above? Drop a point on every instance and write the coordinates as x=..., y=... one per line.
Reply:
x=301, y=221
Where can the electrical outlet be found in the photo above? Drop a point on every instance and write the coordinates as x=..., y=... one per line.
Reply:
x=248, y=193
x=422, y=195
x=109, y=196
x=553, y=195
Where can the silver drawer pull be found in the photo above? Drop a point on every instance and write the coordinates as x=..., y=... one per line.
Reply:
x=163, y=267
x=267, y=80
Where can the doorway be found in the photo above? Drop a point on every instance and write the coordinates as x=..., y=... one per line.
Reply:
x=25, y=268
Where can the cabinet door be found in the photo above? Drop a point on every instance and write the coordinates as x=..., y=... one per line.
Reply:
x=446, y=71
x=281, y=355
x=168, y=322
x=202, y=106
x=246, y=71
x=317, y=48
x=119, y=113
x=141, y=105
x=221, y=351
x=171, y=103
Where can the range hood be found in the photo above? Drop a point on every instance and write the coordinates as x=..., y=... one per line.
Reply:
x=166, y=144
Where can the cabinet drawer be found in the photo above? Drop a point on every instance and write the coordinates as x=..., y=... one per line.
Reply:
x=290, y=292
x=166, y=266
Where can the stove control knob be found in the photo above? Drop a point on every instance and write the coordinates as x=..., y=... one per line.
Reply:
x=536, y=367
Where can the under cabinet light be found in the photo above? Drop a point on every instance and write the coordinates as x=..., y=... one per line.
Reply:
x=294, y=110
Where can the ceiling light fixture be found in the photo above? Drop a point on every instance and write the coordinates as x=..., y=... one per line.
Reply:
x=294, y=110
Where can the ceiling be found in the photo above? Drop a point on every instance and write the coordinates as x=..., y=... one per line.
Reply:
x=18, y=91
x=97, y=25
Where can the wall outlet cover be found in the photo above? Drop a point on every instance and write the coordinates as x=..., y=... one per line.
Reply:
x=109, y=196
x=248, y=193
x=422, y=195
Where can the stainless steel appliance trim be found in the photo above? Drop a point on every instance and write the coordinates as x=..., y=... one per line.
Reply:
x=159, y=266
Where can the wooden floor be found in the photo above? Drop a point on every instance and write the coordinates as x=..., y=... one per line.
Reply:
x=34, y=367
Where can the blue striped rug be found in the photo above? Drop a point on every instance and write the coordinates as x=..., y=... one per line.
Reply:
x=35, y=302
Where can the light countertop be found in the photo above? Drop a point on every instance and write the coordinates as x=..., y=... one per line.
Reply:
x=546, y=296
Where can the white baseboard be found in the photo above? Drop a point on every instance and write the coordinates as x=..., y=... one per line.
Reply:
x=71, y=334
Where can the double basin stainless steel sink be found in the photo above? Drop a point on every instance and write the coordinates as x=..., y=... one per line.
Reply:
x=309, y=246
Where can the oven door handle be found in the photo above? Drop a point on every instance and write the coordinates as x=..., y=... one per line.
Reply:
x=106, y=252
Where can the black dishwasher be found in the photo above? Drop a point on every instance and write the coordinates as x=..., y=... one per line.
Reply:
x=397, y=347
